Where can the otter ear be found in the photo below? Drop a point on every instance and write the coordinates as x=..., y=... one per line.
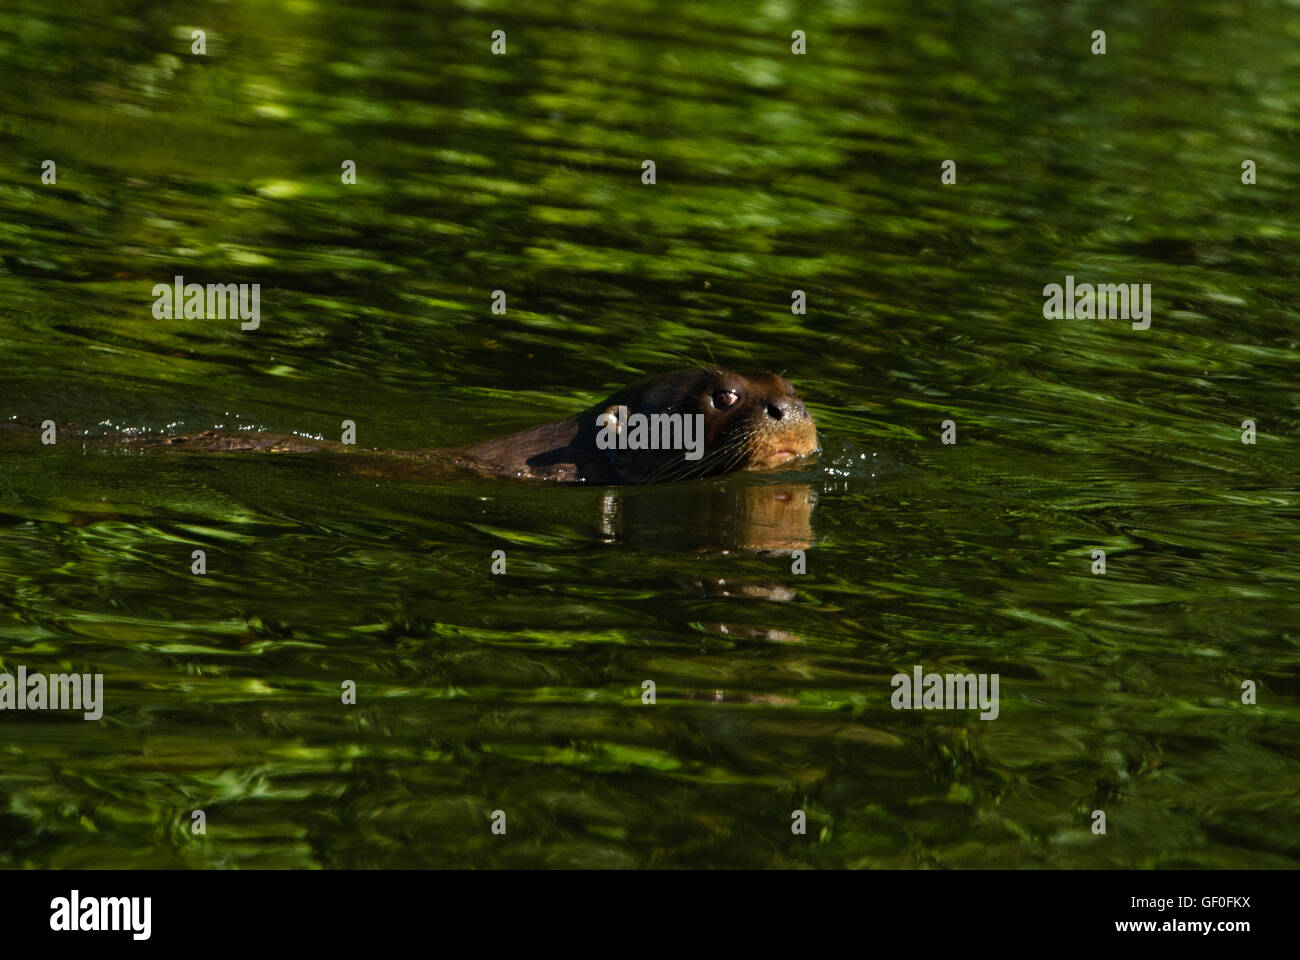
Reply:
x=608, y=427
x=610, y=420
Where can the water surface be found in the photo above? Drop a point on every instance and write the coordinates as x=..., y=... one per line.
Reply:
x=775, y=172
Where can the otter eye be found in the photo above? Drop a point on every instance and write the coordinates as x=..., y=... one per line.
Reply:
x=724, y=398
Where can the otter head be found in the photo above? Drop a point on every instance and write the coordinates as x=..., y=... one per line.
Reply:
x=701, y=423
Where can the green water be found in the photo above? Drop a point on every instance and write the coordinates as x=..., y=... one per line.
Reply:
x=775, y=172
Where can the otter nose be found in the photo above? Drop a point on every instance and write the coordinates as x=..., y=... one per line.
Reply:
x=778, y=408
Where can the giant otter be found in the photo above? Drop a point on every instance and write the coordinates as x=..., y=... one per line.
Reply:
x=749, y=421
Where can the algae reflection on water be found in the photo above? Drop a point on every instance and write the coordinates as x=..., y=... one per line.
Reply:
x=775, y=172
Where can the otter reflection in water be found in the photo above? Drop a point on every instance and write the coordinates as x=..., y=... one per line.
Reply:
x=748, y=421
